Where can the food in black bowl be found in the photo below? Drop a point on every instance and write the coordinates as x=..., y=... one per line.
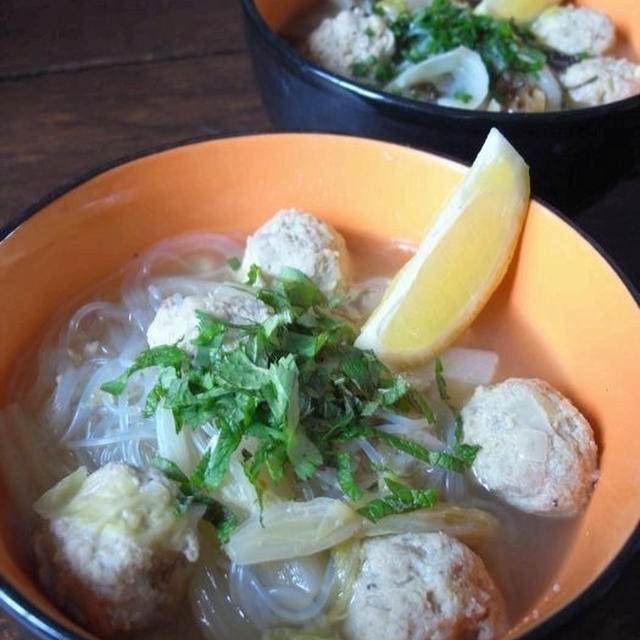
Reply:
x=440, y=76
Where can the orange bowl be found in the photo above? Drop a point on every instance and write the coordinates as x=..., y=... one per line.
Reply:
x=562, y=313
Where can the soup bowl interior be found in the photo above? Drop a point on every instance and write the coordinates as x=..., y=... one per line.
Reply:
x=562, y=313
x=625, y=15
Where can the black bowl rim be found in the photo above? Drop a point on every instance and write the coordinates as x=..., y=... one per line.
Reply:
x=30, y=616
x=311, y=71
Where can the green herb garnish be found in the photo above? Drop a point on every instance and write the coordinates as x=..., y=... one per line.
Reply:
x=296, y=384
x=442, y=26
x=234, y=263
x=360, y=69
x=462, y=96
x=464, y=451
x=434, y=458
x=401, y=499
x=218, y=514
x=346, y=480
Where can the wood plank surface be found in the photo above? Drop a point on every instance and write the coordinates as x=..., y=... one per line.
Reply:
x=84, y=82
x=40, y=36
x=61, y=132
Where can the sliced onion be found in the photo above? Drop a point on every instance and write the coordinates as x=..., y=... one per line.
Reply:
x=237, y=492
x=293, y=529
x=458, y=522
x=177, y=447
x=549, y=85
x=456, y=72
x=463, y=369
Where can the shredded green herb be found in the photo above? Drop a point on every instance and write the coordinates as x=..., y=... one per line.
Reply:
x=296, y=384
x=462, y=96
x=346, y=480
x=466, y=452
x=440, y=381
x=234, y=263
x=504, y=46
x=400, y=500
x=360, y=69
x=433, y=458
x=218, y=514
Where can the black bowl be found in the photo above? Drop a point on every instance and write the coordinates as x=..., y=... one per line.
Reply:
x=575, y=156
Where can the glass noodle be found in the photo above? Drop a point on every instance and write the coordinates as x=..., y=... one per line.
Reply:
x=260, y=580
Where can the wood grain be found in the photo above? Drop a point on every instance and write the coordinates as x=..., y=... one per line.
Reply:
x=55, y=127
x=39, y=36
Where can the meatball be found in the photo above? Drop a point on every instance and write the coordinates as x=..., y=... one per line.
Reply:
x=111, y=550
x=599, y=81
x=176, y=321
x=575, y=30
x=537, y=450
x=297, y=239
x=352, y=37
x=425, y=586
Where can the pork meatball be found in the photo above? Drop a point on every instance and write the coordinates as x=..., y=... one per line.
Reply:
x=351, y=38
x=111, y=550
x=297, y=239
x=599, y=81
x=537, y=450
x=575, y=30
x=425, y=586
x=176, y=321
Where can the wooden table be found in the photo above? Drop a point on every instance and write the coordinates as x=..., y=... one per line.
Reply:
x=84, y=83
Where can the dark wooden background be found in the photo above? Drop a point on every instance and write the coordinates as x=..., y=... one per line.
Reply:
x=84, y=82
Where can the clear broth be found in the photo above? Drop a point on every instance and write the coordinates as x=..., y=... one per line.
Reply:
x=524, y=556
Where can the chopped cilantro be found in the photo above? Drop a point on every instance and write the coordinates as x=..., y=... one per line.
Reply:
x=443, y=25
x=383, y=72
x=252, y=274
x=464, y=451
x=433, y=458
x=346, y=480
x=218, y=514
x=401, y=499
x=165, y=355
x=462, y=96
x=360, y=69
x=440, y=381
x=234, y=263
x=298, y=386
x=221, y=517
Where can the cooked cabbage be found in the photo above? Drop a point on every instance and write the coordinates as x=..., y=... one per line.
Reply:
x=120, y=498
x=459, y=75
x=293, y=529
x=468, y=525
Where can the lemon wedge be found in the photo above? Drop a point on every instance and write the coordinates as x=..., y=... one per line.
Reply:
x=461, y=260
x=519, y=10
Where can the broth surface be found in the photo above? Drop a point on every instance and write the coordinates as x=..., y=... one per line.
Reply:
x=524, y=556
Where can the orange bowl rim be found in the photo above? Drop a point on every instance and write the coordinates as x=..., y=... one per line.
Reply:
x=36, y=620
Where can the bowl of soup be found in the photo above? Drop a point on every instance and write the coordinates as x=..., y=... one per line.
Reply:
x=195, y=444
x=412, y=76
